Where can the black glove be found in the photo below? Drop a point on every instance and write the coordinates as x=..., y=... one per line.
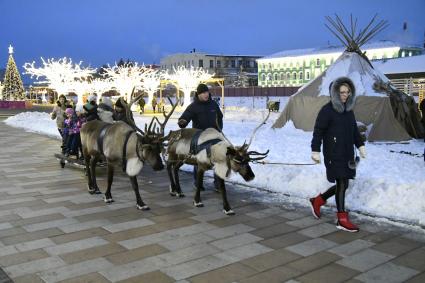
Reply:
x=182, y=123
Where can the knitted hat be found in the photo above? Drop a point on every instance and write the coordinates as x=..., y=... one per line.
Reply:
x=69, y=111
x=79, y=108
x=201, y=89
x=91, y=98
x=107, y=101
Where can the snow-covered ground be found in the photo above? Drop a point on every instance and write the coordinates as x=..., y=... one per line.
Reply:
x=390, y=185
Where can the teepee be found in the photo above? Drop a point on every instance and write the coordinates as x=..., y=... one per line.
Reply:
x=389, y=114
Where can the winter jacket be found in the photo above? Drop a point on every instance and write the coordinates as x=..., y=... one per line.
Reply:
x=121, y=116
x=154, y=102
x=91, y=111
x=58, y=113
x=105, y=113
x=336, y=127
x=422, y=108
x=73, y=125
x=203, y=114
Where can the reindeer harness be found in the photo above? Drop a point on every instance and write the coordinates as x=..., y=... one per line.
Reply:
x=195, y=148
x=101, y=136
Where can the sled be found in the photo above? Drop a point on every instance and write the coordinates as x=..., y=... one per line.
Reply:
x=73, y=162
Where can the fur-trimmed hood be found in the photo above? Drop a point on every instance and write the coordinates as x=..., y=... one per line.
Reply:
x=337, y=105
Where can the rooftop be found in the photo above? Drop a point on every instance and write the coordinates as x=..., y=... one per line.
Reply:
x=413, y=64
x=334, y=49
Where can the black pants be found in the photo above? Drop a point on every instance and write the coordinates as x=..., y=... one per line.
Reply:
x=63, y=140
x=338, y=191
x=195, y=173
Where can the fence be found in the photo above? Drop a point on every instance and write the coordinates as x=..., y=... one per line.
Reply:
x=410, y=86
x=254, y=91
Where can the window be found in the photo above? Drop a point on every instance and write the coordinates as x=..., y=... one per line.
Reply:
x=252, y=64
x=226, y=63
x=288, y=76
x=269, y=77
x=201, y=63
x=218, y=64
x=233, y=62
x=307, y=75
x=294, y=76
x=263, y=77
x=270, y=66
x=410, y=53
x=403, y=54
x=240, y=63
x=275, y=77
x=300, y=75
x=211, y=63
x=318, y=62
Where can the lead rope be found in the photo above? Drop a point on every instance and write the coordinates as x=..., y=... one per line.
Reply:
x=283, y=163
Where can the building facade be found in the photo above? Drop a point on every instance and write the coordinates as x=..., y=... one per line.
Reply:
x=297, y=67
x=230, y=67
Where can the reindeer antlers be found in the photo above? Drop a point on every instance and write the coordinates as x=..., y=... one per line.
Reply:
x=128, y=111
x=256, y=153
x=166, y=116
x=256, y=129
x=148, y=129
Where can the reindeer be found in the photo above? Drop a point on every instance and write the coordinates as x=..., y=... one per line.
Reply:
x=123, y=145
x=209, y=149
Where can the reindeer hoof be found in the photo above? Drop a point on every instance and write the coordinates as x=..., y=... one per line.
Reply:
x=172, y=193
x=108, y=200
x=90, y=190
x=180, y=195
x=142, y=207
x=229, y=212
x=198, y=204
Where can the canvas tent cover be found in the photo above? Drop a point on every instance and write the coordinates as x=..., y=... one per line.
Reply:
x=373, y=108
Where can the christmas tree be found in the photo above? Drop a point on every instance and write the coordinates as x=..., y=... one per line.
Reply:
x=13, y=88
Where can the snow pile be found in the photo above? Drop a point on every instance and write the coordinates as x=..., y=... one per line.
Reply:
x=388, y=184
x=36, y=122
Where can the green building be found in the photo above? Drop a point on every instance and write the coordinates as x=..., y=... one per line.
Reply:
x=297, y=67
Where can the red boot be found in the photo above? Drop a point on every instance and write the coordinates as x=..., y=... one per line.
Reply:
x=316, y=203
x=344, y=223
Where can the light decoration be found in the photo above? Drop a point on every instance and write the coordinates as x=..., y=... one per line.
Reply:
x=188, y=79
x=125, y=77
x=100, y=86
x=61, y=74
x=151, y=82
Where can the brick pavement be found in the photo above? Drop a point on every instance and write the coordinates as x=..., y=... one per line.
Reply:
x=52, y=230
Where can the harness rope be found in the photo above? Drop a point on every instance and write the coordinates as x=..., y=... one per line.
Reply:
x=283, y=163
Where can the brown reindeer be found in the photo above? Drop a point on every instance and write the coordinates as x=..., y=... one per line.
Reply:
x=209, y=149
x=122, y=145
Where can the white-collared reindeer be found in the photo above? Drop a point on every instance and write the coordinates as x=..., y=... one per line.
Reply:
x=123, y=145
x=209, y=149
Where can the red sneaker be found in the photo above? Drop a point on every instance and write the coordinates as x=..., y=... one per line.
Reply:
x=344, y=223
x=316, y=203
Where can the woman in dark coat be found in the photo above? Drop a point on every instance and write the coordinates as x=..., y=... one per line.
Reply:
x=336, y=127
x=120, y=111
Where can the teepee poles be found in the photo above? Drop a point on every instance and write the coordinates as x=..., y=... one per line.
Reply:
x=349, y=37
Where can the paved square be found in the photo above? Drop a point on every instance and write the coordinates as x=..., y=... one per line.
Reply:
x=52, y=230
